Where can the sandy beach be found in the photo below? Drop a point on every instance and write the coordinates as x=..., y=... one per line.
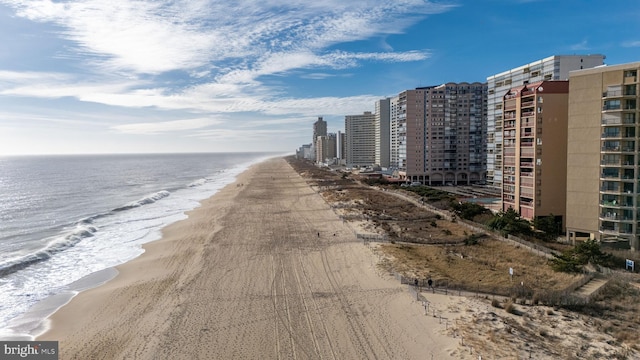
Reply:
x=262, y=270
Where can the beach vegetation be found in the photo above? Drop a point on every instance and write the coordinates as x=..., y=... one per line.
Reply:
x=510, y=222
x=468, y=210
x=548, y=227
x=574, y=260
x=474, y=239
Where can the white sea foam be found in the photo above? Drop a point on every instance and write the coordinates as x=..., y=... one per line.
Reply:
x=95, y=243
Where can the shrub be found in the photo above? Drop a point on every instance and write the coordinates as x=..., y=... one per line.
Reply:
x=510, y=307
x=474, y=239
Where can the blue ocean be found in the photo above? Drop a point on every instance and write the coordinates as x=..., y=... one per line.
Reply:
x=66, y=221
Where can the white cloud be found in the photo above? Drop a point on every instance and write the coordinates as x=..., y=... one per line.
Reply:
x=166, y=126
x=631, y=43
x=581, y=46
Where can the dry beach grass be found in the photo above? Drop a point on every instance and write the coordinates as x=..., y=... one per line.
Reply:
x=491, y=326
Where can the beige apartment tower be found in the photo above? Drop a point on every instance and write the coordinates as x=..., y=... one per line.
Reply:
x=534, y=137
x=603, y=159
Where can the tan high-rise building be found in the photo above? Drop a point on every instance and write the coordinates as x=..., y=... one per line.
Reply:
x=534, y=137
x=603, y=157
x=326, y=147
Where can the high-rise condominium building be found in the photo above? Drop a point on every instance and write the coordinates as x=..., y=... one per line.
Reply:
x=382, y=132
x=437, y=133
x=603, y=155
x=319, y=129
x=326, y=148
x=361, y=139
x=398, y=131
x=551, y=68
x=534, y=137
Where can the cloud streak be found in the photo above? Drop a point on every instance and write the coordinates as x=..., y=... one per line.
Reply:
x=166, y=126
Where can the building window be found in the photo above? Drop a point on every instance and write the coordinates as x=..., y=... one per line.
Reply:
x=611, y=105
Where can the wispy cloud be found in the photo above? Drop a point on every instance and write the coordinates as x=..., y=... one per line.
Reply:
x=166, y=126
x=631, y=43
x=581, y=46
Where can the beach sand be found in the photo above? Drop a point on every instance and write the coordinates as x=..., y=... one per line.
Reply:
x=262, y=270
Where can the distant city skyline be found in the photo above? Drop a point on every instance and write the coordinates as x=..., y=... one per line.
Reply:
x=97, y=76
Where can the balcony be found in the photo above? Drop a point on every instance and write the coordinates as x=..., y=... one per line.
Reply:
x=614, y=216
x=527, y=151
x=526, y=182
x=610, y=133
x=616, y=230
x=527, y=203
x=616, y=204
x=611, y=107
x=610, y=189
x=527, y=104
x=612, y=119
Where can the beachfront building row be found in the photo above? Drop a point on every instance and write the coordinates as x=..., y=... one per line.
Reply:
x=555, y=67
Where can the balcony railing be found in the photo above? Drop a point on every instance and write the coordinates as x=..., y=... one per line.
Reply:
x=615, y=217
x=527, y=151
x=615, y=231
x=615, y=203
x=610, y=148
x=614, y=93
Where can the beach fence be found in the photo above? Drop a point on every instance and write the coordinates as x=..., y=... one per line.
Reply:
x=525, y=293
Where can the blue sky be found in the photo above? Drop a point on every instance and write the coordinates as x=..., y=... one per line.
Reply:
x=116, y=76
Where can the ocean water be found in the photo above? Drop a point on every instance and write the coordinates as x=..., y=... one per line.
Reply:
x=68, y=218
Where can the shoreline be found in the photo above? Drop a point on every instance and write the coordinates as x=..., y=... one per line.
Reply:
x=36, y=320
x=264, y=260
x=95, y=281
